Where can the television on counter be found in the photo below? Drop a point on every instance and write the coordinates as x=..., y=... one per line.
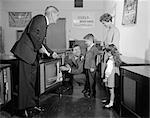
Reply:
x=50, y=74
x=5, y=83
x=135, y=91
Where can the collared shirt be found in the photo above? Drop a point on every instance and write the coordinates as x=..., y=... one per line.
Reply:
x=88, y=48
x=75, y=57
x=47, y=21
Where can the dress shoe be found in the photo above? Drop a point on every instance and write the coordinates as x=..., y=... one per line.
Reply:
x=87, y=95
x=93, y=94
x=65, y=89
x=85, y=91
x=22, y=113
x=108, y=106
x=104, y=101
x=40, y=109
x=34, y=111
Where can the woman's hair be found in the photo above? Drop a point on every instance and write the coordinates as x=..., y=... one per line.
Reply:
x=106, y=17
x=116, y=55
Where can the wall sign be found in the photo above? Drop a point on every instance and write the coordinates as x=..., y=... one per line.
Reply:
x=129, y=12
x=83, y=19
x=19, y=19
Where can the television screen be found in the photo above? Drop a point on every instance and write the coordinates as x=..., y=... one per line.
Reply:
x=51, y=72
x=5, y=84
x=1, y=88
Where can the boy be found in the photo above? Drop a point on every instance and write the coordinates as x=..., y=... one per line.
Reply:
x=90, y=66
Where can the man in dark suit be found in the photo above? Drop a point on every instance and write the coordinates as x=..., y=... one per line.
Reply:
x=26, y=49
x=74, y=66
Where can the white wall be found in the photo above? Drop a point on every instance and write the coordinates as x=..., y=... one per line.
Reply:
x=0, y=13
x=17, y=6
x=135, y=39
x=66, y=8
x=147, y=52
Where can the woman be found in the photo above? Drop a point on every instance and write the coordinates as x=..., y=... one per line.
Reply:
x=112, y=36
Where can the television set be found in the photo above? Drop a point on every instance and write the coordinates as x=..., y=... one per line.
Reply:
x=135, y=91
x=50, y=74
x=5, y=83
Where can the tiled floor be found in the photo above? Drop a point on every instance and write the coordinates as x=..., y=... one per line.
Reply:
x=74, y=105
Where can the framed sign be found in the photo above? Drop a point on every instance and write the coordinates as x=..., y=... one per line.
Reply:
x=19, y=19
x=129, y=12
x=83, y=19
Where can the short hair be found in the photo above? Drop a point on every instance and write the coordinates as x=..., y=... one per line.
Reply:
x=106, y=17
x=76, y=45
x=53, y=9
x=89, y=36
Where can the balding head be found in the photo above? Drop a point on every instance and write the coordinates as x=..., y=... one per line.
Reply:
x=51, y=9
x=52, y=13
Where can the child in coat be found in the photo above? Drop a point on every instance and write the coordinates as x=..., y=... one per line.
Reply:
x=90, y=66
x=113, y=63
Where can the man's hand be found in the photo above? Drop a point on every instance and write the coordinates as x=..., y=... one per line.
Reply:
x=64, y=68
x=55, y=55
x=68, y=66
x=43, y=50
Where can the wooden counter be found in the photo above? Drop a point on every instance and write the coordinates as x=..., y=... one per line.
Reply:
x=134, y=61
x=135, y=91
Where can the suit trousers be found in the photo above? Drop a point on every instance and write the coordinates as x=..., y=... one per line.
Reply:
x=27, y=85
x=90, y=81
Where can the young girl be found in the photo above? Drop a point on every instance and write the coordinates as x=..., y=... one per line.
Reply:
x=113, y=63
